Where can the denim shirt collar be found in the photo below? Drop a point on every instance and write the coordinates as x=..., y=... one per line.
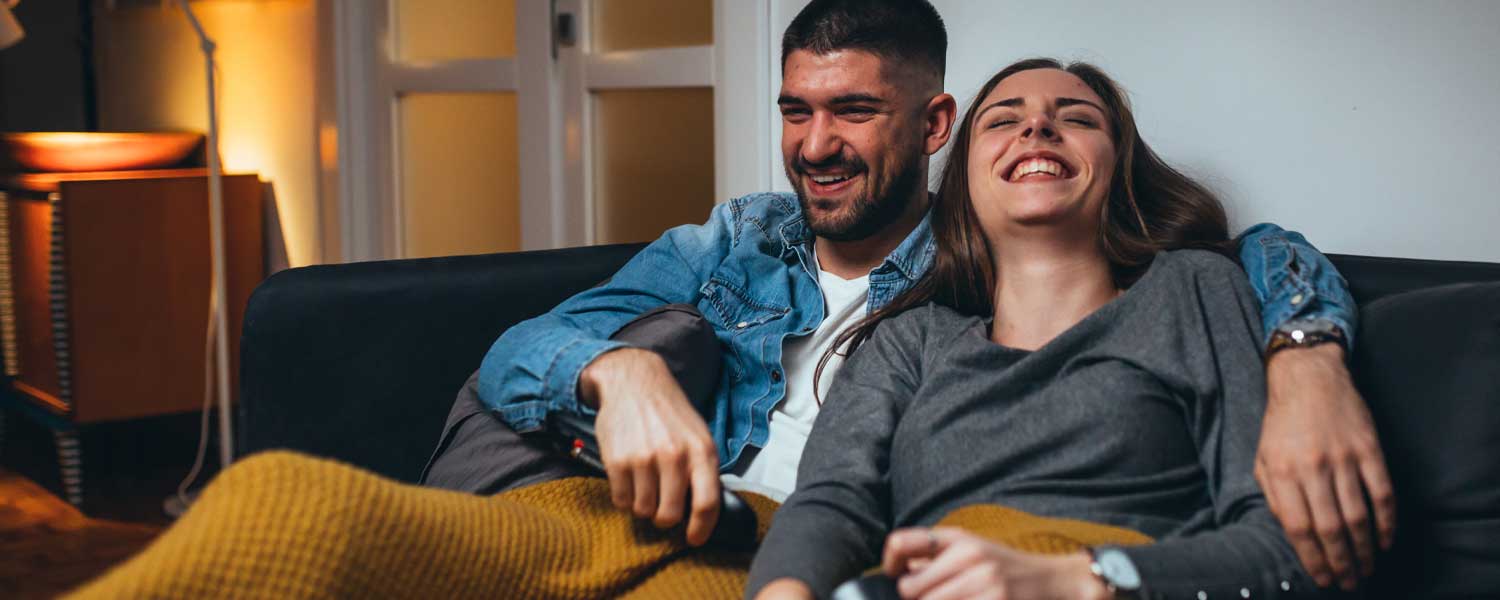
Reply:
x=911, y=258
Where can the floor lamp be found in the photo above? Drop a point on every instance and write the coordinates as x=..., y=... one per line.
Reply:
x=216, y=241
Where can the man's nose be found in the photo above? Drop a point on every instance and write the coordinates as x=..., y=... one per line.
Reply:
x=1039, y=126
x=823, y=140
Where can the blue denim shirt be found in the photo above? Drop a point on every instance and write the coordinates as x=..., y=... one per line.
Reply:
x=749, y=270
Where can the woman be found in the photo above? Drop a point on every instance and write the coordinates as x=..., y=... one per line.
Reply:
x=1116, y=383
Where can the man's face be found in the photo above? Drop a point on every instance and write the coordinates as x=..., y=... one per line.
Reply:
x=852, y=141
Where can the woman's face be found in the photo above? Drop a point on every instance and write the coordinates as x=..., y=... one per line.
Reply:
x=1040, y=154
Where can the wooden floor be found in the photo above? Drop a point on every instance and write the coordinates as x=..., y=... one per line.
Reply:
x=47, y=547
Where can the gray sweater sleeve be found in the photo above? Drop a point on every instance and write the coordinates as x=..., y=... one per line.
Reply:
x=842, y=499
x=1247, y=552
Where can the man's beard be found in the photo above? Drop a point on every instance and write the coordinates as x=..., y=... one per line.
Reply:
x=875, y=207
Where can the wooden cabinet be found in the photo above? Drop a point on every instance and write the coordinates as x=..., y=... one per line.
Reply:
x=104, y=294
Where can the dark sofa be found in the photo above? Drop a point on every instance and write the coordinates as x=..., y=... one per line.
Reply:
x=360, y=362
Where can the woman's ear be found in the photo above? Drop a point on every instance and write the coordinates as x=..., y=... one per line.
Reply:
x=940, y=112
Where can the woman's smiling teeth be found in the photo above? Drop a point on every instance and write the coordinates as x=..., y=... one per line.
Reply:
x=1038, y=167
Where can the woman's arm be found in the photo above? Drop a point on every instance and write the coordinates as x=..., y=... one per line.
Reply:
x=833, y=525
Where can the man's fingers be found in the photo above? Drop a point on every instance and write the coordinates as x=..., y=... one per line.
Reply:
x=645, y=478
x=1297, y=522
x=1382, y=498
x=706, y=495
x=621, y=486
x=672, y=468
x=1351, y=499
x=1328, y=522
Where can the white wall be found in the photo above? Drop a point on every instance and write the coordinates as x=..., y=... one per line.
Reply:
x=151, y=77
x=1368, y=125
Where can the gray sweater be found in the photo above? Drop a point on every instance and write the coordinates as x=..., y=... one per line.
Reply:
x=1144, y=415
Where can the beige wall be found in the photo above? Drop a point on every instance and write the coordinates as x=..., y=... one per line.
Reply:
x=151, y=77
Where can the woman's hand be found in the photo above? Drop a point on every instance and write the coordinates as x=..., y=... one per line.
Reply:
x=785, y=588
x=943, y=562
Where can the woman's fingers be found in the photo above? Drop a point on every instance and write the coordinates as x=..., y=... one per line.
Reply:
x=957, y=552
x=974, y=582
x=904, y=545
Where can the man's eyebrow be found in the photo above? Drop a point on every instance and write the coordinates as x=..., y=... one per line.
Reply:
x=785, y=99
x=857, y=97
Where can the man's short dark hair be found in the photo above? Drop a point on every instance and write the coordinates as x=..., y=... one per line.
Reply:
x=908, y=32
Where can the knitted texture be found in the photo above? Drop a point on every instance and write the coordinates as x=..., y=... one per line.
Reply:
x=1042, y=535
x=283, y=525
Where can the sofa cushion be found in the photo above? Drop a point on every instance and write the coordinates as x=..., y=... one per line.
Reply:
x=1428, y=363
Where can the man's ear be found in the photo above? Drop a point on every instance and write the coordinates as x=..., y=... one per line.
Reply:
x=940, y=112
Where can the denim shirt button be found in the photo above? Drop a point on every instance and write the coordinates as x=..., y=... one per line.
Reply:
x=744, y=324
x=1297, y=299
x=775, y=375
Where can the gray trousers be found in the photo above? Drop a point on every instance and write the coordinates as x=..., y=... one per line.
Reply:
x=478, y=453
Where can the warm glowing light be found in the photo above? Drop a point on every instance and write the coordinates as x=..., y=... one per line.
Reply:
x=66, y=151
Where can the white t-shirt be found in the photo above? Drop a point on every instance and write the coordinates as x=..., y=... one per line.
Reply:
x=772, y=471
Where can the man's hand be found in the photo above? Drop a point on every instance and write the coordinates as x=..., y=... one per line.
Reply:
x=654, y=445
x=944, y=562
x=1318, y=460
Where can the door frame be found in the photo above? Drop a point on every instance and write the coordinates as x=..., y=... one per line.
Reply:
x=552, y=87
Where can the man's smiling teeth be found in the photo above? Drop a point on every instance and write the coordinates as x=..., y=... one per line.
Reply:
x=827, y=179
x=1038, y=165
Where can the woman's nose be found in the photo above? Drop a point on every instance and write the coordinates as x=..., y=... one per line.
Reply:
x=1040, y=127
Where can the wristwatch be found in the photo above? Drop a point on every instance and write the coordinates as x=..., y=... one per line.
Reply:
x=1305, y=333
x=1116, y=571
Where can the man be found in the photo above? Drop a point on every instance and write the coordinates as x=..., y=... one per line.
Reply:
x=777, y=276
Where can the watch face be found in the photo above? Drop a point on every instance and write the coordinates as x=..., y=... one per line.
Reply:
x=1118, y=569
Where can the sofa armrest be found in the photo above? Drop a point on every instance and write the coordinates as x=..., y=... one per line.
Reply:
x=360, y=362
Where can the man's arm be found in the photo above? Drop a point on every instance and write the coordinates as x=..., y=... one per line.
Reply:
x=654, y=445
x=1318, y=456
x=535, y=367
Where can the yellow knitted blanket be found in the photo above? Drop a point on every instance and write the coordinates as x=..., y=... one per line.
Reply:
x=283, y=525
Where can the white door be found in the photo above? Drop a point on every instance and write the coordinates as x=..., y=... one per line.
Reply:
x=471, y=126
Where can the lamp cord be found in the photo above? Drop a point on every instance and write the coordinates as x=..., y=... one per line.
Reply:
x=208, y=396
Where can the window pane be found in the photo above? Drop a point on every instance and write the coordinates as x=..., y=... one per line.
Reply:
x=459, y=176
x=654, y=161
x=640, y=24
x=453, y=29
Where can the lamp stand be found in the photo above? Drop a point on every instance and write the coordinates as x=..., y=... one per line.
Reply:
x=216, y=240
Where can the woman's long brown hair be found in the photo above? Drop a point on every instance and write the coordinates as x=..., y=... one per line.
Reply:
x=1151, y=207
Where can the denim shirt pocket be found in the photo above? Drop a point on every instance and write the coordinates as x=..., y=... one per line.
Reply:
x=736, y=309
x=736, y=312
